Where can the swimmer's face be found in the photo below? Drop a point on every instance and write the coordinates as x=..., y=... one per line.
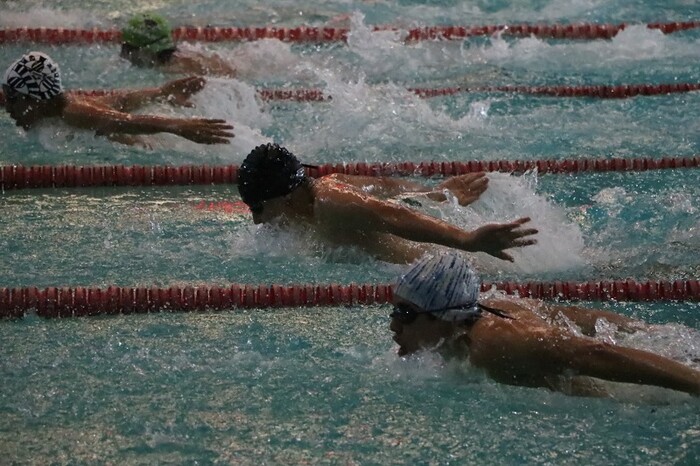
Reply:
x=414, y=331
x=23, y=109
x=272, y=210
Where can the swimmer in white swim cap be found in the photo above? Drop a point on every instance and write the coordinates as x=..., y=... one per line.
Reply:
x=32, y=91
x=35, y=75
x=520, y=341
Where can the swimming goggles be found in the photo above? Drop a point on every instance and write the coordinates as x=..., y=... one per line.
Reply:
x=406, y=314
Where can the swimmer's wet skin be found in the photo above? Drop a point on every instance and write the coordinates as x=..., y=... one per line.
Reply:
x=273, y=183
x=436, y=307
x=147, y=42
x=33, y=92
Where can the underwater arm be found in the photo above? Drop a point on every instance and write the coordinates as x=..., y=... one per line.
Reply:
x=176, y=92
x=199, y=63
x=129, y=140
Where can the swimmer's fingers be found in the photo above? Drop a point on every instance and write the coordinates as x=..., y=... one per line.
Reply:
x=468, y=181
x=523, y=233
x=218, y=121
x=519, y=222
x=208, y=138
x=213, y=140
x=520, y=243
x=467, y=188
x=494, y=238
x=504, y=256
x=207, y=131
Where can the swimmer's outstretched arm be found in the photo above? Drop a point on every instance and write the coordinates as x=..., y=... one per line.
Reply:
x=177, y=92
x=508, y=349
x=186, y=61
x=586, y=318
x=364, y=212
x=466, y=188
x=620, y=364
x=88, y=114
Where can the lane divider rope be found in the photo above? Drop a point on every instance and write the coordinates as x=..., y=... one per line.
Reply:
x=72, y=176
x=603, y=91
x=84, y=301
x=329, y=34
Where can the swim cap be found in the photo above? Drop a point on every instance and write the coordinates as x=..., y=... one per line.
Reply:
x=268, y=172
x=444, y=285
x=149, y=32
x=35, y=75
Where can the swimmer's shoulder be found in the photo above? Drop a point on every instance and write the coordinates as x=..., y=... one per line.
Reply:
x=334, y=181
x=514, y=306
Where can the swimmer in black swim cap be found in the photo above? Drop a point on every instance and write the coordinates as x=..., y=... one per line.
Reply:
x=355, y=211
x=269, y=172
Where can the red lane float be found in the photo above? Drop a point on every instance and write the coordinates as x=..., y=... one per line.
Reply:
x=310, y=34
x=622, y=91
x=72, y=176
x=83, y=301
x=237, y=207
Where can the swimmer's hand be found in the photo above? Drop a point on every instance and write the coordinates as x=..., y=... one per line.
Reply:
x=466, y=188
x=179, y=91
x=204, y=130
x=494, y=238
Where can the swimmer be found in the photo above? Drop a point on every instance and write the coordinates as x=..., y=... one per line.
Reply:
x=33, y=92
x=147, y=42
x=521, y=341
x=347, y=210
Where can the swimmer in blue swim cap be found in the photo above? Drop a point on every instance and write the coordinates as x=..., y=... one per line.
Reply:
x=147, y=42
x=346, y=210
x=33, y=91
x=520, y=341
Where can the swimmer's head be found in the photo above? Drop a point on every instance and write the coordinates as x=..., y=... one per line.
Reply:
x=269, y=171
x=443, y=285
x=34, y=75
x=148, y=32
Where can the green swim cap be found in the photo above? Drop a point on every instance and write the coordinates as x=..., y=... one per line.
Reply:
x=148, y=31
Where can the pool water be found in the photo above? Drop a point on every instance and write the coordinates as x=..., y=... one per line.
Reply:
x=324, y=385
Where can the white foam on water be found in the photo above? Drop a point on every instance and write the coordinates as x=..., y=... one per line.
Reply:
x=559, y=241
x=258, y=60
x=42, y=15
x=675, y=341
x=559, y=248
x=237, y=103
x=634, y=44
x=376, y=116
x=421, y=366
